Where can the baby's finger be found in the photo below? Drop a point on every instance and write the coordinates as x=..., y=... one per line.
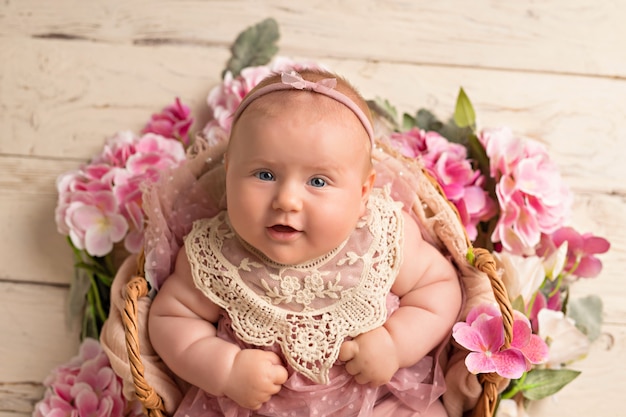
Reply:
x=278, y=372
x=352, y=368
x=348, y=351
x=273, y=358
x=280, y=375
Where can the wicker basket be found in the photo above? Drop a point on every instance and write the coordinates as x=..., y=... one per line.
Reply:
x=137, y=288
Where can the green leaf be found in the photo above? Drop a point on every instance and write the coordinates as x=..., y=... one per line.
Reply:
x=471, y=257
x=426, y=120
x=254, y=46
x=79, y=288
x=587, y=313
x=385, y=109
x=541, y=383
x=464, y=115
x=408, y=122
x=518, y=304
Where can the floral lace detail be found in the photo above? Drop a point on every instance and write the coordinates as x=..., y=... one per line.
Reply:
x=307, y=309
x=291, y=289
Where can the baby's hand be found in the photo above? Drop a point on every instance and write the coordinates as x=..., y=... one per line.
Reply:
x=256, y=375
x=370, y=357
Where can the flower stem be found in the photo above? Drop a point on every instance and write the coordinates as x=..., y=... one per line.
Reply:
x=92, y=290
x=515, y=387
x=97, y=299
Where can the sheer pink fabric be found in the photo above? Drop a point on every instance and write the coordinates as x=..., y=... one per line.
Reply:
x=415, y=387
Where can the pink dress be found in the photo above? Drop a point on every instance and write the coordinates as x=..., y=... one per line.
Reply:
x=304, y=312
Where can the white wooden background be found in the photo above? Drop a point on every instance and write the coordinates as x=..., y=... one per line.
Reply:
x=73, y=72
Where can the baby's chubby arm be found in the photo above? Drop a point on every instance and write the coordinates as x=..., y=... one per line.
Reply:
x=430, y=300
x=182, y=331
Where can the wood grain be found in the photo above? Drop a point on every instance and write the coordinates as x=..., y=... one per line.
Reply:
x=72, y=73
x=575, y=37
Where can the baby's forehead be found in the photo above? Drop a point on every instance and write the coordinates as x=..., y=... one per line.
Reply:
x=302, y=104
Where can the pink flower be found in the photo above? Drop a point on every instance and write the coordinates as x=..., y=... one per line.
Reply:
x=173, y=122
x=224, y=99
x=542, y=302
x=117, y=150
x=100, y=204
x=580, y=251
x=483, y=335
x=534, y=349
x=86, y=386
x=94, y=224
x=448, y=163
x=532, y=196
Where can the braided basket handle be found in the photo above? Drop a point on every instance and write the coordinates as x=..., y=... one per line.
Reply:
x=484, y=262
x=153, y=405
x=488, y=399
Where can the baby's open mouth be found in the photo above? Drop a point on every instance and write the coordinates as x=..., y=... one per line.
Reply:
x=282, y=228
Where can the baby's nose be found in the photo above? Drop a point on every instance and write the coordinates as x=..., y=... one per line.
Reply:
x=287, y=198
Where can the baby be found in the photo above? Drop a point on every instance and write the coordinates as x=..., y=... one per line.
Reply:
x=313, y=293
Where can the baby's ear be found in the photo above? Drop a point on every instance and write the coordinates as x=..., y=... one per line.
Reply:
x=366, y=189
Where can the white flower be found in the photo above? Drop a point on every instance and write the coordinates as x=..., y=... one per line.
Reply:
x=566, y=342
x=522, y=276
x=555, y=263
x=509, y=408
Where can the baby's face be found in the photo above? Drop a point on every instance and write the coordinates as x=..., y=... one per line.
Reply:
x=297, y=176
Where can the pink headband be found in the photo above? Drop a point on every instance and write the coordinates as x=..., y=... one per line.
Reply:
x=294, y=81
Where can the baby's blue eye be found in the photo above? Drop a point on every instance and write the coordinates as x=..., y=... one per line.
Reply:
x=317, y=182
x=265, y=176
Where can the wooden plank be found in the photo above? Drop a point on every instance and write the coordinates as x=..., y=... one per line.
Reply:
x=36, y=338
x=579, y=36
x=36, y=334
x=65, y=99
x=32, y=250
x=60, y=109
x=18, y=399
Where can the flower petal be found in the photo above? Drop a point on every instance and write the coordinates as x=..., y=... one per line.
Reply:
x=594, y=244
x=479, y=363
x=468, y=337
x=536, y=351
x=510, y=363
x=589, y=267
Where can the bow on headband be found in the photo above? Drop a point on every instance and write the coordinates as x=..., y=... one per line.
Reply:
x=296, y=81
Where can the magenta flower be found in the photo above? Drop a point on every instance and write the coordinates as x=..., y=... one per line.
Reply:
x=542, y=302
x=483, y=335
x=581, y=249
x=173, y=122
x=448, y=163
x=86, y=386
